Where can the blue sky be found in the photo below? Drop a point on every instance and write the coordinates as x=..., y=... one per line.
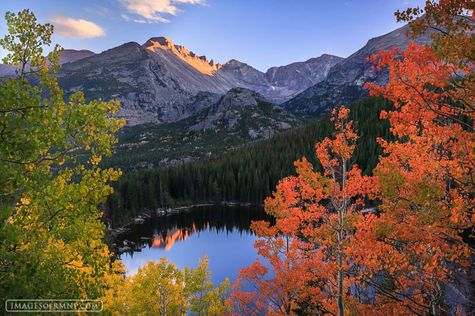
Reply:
x=262, y=33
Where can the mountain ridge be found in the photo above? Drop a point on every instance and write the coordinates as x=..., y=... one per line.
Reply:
x=344, y=82
x=158, y=81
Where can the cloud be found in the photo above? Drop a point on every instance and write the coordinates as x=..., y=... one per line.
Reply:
x=76, y=28
x=126, y=18
x=99, y=10
x=152, y=11
x=189, y=1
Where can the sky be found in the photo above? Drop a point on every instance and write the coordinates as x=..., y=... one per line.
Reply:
x=261, y=33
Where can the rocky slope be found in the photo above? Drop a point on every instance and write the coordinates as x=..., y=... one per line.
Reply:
x=72, y=55
x=236, y=118
x=292, y=78
x=244, y=111
x=130, y=73
x=344, y=82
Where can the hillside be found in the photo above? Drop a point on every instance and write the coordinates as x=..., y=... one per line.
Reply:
x=246, y=174
x=239, y=117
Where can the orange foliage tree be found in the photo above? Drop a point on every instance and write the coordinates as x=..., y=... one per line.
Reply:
x=315, y=215
x=327, y=255
x=425, y=179
x=278, y=291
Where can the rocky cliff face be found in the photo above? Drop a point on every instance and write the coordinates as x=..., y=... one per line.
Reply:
x=279, y=84
x=244, y=111
x=191, y=72
x=199, y=63
x=147, y=90
x=344, y=81
x=291, y=79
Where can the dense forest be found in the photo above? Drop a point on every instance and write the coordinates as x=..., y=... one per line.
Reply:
x=245, y=175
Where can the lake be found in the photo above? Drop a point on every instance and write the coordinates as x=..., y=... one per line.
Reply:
x=221, y=233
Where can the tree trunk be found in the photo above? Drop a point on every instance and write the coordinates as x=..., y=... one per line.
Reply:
x=341, y=213
x=341, y=306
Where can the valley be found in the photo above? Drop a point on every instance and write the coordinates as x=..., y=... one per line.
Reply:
x=319, y=168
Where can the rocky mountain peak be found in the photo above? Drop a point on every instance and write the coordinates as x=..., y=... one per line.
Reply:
x=165, y=44
x=163, y=41
x=236, y=64
x=345, y=81
x=245, y=112
x=241, y=97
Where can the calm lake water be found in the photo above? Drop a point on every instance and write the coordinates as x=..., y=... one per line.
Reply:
x=221, y=233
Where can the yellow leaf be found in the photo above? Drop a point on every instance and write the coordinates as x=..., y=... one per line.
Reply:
x=95, y=160
x=25, y=201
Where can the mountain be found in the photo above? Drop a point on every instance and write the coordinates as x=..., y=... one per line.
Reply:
x=7, y=71
x=191, y=72
x=161, y=82
x=238, y=117
x=344, y=82
x=132, y=74
x=245, y=111
x=72, y=55
x=300, y=75
x=67, y=56
x=217, y=78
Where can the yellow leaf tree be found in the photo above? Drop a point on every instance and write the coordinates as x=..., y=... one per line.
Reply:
x=50, y=222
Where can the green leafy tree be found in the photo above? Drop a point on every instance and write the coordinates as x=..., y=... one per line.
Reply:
x=204, y=297
x=50, y=223
x=160, y=288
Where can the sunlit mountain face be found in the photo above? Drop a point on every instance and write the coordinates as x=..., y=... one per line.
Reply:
x=200, y=63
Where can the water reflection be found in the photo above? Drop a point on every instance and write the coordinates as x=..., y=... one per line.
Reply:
x=164, y=231
x=167, y=239
x=221, y=233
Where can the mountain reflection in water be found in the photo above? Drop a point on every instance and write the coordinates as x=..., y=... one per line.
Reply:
x=163, y=232
x=166, y=240
x=221, y=233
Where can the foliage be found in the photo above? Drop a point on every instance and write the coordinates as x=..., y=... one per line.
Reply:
x=425, y=180
x=51, y=231
x=316, y=213
x=453, y=35
x=162, y=289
